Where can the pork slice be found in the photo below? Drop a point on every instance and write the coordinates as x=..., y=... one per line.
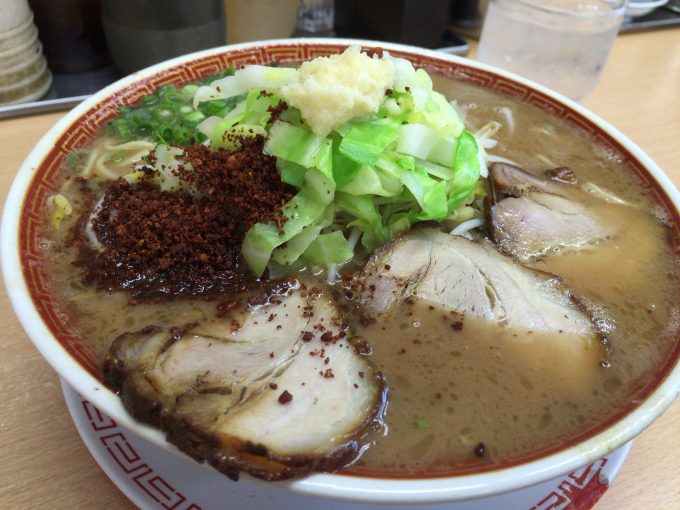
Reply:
x=538, y=224
x=531, y=217
x=473, y=279
x=229, y=356
x=327, y=395
x=508, y=179
x=275, y=390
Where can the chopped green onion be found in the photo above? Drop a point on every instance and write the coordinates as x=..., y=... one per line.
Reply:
x=193, y=119
x=167, y=115
x=421, y=423
x=75, y=159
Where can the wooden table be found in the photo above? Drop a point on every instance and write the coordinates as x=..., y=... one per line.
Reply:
x=45, y=465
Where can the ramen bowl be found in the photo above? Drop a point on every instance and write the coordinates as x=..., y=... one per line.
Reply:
x=52, y=333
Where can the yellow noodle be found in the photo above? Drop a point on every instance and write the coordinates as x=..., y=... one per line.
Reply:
x=128, y=146
x=137, y=156
x=102, y=170
x=97, y=162
x=89, y=164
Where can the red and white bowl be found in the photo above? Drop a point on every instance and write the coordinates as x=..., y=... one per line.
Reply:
x=60, y=344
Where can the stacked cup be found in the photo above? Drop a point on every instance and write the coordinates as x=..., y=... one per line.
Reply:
x=24, y=75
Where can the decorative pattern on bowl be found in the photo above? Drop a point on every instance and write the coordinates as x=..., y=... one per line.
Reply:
x=82, y=125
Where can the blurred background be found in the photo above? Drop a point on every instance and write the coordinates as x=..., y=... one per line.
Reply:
x=54, y=53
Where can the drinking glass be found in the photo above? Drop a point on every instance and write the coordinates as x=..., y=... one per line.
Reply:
x=562, y=44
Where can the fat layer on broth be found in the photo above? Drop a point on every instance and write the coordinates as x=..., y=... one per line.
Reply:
x=452, y=390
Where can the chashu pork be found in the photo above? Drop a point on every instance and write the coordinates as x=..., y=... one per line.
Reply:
x=276, y=390
x=530, y=217
x=533, y=314
x=471, y=278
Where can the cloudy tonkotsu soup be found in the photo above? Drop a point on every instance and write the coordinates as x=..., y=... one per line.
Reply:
x=463, y=393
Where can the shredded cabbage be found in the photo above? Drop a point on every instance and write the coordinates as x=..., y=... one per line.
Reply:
x=366, y=181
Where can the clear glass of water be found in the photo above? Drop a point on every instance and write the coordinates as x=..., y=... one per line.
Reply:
x=562, y=44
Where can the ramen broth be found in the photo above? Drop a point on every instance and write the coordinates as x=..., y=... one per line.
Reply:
x=474, y=394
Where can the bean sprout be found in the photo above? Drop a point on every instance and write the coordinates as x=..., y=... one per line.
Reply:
x=466, y=226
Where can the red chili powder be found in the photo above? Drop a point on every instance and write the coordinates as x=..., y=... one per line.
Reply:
x=159, y=244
